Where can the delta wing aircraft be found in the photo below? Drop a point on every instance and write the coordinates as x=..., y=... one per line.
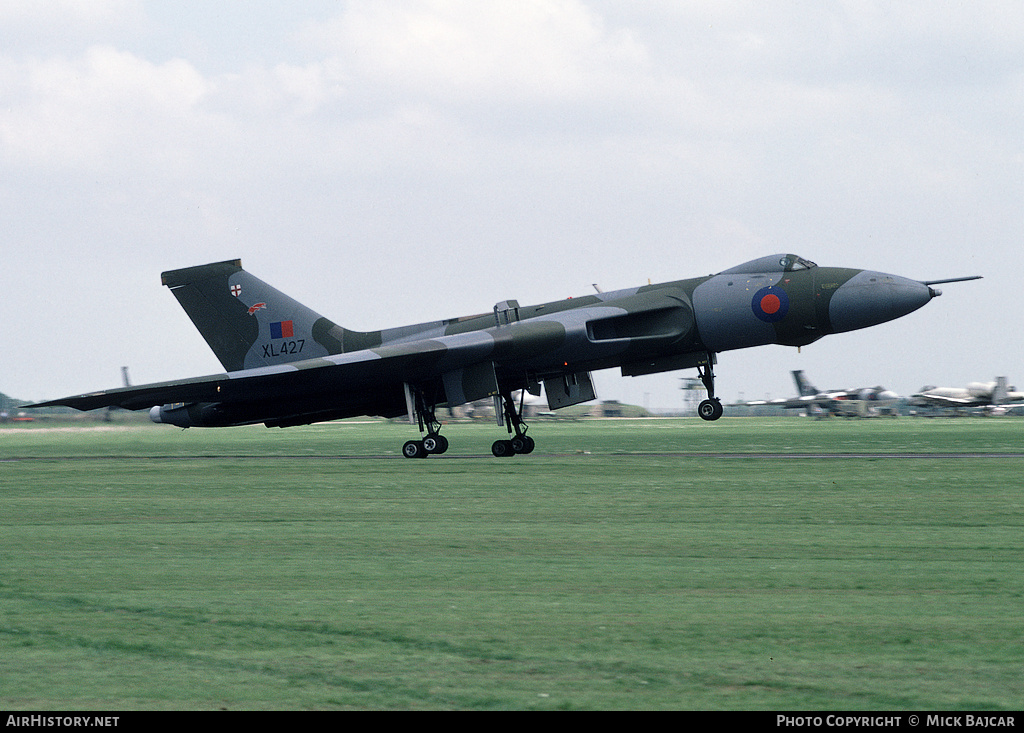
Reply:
x=286, y=365
x=857, y=402
x=992, y=396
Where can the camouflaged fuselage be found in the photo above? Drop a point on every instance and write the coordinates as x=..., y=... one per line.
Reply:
x=286, y=364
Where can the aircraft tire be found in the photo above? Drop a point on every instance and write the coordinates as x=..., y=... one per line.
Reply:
x=710, y=409
x=414, y=449
x=502, y=449
x=436, y=444
x=523, y=444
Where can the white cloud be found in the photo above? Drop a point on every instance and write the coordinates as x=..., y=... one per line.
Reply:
x=461, y=49
x=91, y=110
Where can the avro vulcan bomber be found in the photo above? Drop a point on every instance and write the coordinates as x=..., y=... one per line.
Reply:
x=287, y=365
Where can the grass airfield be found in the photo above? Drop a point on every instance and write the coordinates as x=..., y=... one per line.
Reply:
x=755, y=564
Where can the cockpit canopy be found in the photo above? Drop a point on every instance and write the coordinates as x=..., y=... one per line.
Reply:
x=771, y=263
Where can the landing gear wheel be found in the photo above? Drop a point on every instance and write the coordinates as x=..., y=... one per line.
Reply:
x=710, y=409
x=502, y=449
x=421, y=401
x=414, y=449
x=519, y=443
x=436, y=444
x=523, y=444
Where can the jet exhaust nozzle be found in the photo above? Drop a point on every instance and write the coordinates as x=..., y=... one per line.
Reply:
x=190, y=415
x=171, y=415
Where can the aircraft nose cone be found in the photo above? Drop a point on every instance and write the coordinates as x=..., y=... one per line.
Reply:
x=870, y=298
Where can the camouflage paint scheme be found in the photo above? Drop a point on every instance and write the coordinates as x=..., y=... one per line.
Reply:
x=287, y=365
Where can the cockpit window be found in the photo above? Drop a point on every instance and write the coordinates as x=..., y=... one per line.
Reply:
x=772, y=263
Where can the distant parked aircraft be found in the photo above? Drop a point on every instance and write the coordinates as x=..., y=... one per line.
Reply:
x=992, y=396
x=858, y=402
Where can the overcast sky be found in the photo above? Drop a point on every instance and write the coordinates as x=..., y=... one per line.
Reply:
x=389, y=163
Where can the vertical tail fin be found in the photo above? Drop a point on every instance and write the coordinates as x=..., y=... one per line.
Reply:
x=1000, y=393
x=249, y=323
x=803, y=386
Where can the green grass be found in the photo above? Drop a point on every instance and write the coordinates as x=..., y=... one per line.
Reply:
x=610, y=570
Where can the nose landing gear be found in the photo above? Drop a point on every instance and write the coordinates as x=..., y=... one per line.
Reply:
x=711, y=408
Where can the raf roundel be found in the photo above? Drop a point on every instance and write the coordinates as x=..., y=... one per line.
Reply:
x=770, y=304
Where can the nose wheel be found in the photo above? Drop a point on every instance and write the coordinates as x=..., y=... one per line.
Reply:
x=711, y=408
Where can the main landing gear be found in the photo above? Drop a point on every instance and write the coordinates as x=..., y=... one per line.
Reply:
x=433, y=443
x=520, y=442
x=711, y=408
